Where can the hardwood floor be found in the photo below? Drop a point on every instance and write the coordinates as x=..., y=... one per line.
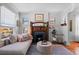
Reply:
x=73, y=46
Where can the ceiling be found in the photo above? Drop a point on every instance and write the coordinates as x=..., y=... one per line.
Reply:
x=28, y=7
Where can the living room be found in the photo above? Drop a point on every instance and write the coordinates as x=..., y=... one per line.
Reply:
x=39, y=28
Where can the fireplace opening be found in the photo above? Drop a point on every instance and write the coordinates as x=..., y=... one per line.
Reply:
x=38, y=36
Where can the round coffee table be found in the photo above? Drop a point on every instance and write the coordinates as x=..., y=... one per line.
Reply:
x=44, y=48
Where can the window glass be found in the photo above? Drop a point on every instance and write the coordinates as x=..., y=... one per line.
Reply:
x=7, y=17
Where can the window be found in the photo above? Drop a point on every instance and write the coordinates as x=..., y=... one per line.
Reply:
x=25, y=21
x=7, y=17
x=25, y=24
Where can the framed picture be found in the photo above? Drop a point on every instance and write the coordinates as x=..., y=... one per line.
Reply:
x=39, y=17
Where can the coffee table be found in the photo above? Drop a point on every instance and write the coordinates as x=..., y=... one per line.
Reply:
x=44, y=48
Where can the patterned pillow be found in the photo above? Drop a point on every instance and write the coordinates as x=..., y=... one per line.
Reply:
x=25, y=38
x=13, y=39
x=6, y=41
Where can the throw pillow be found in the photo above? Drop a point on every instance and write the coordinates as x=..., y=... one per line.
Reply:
x=19, y=38
x=25, y=37
x=7, y=42
x=13, y=39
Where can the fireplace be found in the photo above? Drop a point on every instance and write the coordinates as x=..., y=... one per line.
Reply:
x=39, y=31
x=38, y=36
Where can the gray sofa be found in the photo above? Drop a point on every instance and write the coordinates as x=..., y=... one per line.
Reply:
x=18, y=48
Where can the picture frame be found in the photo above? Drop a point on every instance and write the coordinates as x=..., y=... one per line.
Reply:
x=39, y=17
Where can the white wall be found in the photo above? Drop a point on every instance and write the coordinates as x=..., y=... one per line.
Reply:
x=71, y=36
x=56, y=18
x=65, y=29
x=72, y=16
x=57, y=21
x=76, y=26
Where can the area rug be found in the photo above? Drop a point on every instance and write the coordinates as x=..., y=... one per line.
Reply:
x=56, y=50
